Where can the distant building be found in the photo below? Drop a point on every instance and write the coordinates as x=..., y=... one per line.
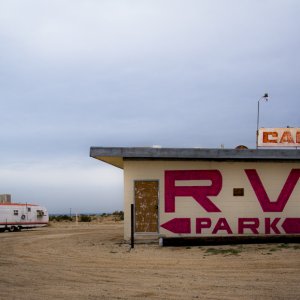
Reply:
x=5, y=198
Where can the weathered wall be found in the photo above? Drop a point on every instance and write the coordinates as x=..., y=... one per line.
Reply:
x=271, y=195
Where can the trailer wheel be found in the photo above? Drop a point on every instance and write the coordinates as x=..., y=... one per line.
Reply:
x=12, y=229
x=2, y=229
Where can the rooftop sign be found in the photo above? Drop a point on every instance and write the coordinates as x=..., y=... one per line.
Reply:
x=279, y=137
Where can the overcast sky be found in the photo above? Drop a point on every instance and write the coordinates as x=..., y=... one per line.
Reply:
x=81, y=73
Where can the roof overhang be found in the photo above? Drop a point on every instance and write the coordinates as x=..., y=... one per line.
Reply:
x=116, y=155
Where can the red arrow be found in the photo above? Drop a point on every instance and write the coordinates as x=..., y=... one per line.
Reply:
x=291, y=225
x=178, y=225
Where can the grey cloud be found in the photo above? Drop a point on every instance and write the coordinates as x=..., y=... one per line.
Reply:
x=76, y=74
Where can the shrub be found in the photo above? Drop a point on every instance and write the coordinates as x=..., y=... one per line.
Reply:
x=119, y=215
x=85, y=218
x=59, y=218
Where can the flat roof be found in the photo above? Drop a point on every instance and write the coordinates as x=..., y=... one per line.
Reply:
x=116, y=155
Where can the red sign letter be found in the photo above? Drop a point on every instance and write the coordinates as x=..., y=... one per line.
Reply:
x=287, y=138
x=202, y=223
x=199, y=193
x=266, y=137
x=222, y=225
x=271, y=225
x=263, y=198
x=250, y=223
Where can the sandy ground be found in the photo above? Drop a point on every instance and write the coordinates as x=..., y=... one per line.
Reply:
x=90, y=261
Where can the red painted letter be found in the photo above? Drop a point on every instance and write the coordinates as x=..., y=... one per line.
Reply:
x=202, y=223
x=222, y=224
x=287, y=138
x=199, y=193
x=248, y=223
x=266, y=137
x=271, y=225
x=263, y=198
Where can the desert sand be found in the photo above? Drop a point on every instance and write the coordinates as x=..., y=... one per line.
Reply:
x=91, y=261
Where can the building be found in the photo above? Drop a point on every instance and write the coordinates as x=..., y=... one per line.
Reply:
x=181, y=192
x=5, y=198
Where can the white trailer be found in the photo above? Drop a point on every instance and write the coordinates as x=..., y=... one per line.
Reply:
x=17, y=216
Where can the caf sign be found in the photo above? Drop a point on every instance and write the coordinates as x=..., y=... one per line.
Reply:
x=279, y=137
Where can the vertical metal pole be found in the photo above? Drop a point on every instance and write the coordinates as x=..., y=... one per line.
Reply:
x=257, y=124
x=265, y=96
x=132, y=225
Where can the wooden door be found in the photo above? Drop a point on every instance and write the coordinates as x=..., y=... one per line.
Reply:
x=146, y=206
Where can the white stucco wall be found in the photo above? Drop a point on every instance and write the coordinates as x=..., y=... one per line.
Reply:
x=272, y=175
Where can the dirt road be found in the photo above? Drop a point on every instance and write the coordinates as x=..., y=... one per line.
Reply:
x=89, y=261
